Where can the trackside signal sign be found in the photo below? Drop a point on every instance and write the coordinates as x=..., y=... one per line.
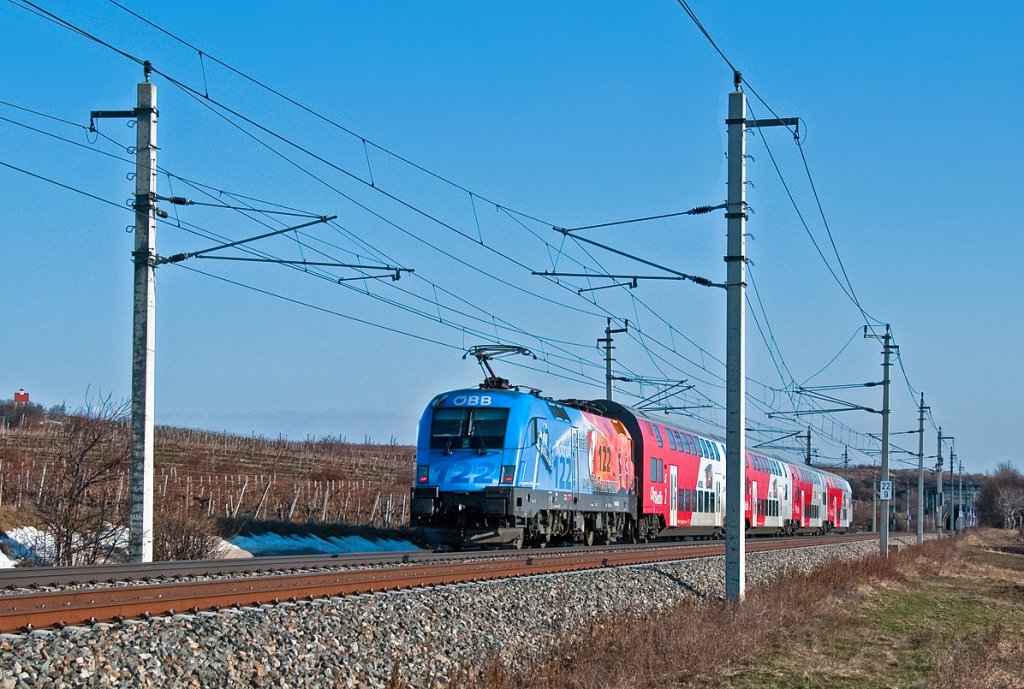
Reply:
x=885, y=490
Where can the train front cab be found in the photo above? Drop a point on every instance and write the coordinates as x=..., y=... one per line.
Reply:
x=465, y=468
x=497, y=467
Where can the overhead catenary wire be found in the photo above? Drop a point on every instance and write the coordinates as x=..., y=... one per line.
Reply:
x=562, y=304
x=194, y=93
x=51, y=181
x=847, y=288
x=76, y=190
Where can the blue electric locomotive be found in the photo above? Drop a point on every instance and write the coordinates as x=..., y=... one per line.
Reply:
x=499, y=466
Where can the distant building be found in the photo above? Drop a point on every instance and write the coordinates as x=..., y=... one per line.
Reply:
x=21, y=396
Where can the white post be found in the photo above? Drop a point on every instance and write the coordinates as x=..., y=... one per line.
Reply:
x=960, y=495
x=140, y=526
x=938, y=489
x=735, y=386
x=920, y=472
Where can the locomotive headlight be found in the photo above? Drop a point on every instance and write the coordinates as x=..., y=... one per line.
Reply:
x=422, y=473
x=508, y=474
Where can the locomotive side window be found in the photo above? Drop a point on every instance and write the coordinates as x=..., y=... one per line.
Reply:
x=671, y=438
x=657, y=435
x=478, y=428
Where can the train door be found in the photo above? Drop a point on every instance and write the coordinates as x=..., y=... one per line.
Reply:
x=673, y=496
x=579, y=457
x=753, y=503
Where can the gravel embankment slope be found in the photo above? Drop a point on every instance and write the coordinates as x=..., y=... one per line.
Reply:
x=357, y=641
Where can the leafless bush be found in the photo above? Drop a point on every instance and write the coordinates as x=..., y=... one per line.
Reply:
x=180, y=535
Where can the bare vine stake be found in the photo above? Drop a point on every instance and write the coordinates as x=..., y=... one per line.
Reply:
x=295, y=500
x=373, y=512
x=241, y=494
x=263, y=501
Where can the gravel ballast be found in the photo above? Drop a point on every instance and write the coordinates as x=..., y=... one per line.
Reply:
x=358, y=641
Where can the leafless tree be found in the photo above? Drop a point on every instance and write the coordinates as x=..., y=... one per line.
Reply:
x=76, y=506
x=1001, y=498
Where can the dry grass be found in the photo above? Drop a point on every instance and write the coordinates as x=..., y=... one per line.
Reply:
x=933, y=616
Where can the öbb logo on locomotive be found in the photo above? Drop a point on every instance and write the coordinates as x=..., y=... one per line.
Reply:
x=506, y=467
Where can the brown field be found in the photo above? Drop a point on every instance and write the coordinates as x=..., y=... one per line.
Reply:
x=222, y=475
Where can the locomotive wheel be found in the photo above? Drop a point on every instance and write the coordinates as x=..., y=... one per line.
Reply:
x=517, y=544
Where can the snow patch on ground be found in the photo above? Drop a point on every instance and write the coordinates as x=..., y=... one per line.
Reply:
x=229, y=551
x=29, y=544
x=268, y=544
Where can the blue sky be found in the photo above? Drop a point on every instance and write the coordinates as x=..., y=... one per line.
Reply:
x=543, y=114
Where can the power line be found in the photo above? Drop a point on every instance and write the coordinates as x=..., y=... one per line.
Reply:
x=66, y=186
x=202, y=54
x=505, y=324
x=195, y=94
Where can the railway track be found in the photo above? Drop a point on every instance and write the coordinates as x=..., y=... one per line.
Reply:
x=38, y=610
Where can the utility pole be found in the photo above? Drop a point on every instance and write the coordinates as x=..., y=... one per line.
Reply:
x=886, y=493
x=952, y=486
x=735, y=340
x=920, y=471
x=874, y=504
x=908, y=505
x=140, y=520
x=735, y=350
x=607, y=342
x=846, y=457
x=960, y=496
x=807, y=459
x=938, y=488
x=140, y=528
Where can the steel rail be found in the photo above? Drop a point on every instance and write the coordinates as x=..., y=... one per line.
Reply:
x=21, y=612
x=33, y=577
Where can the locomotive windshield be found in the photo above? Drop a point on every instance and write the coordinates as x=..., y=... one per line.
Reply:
x=474, y=428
